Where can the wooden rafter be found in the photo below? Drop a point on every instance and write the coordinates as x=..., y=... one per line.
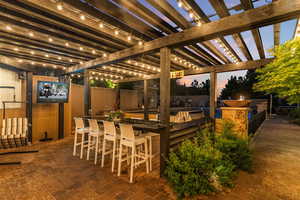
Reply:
x=222, y=11
x=247, y=5
x=255, y=18
x=217, y=68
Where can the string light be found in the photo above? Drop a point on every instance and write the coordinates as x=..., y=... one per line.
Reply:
x=67, y=44
x=80, y=48
x=101, y=25
x=46, y=55
x=8, y=28
x=32, y=52
x=191, y=15
x=116, y=32
x=179, y=4
x=82, y=17
x=59, y=6
x=31, y=34
x=32, y=63
x=129, y=38
x=140, y=43
x=104, y=55
x=59, y=58
x=16, y=49
x=93, y=51
x=50, y=39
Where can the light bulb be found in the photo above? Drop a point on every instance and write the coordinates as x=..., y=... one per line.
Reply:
x=82, y=17
x=50, y=40
x=179, y=4
x=59, y=6
x=31, y=34
x=101, y=25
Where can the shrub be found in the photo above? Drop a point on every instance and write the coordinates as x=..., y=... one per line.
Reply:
x=235, y=150
x=208, y=163
x=190, y=168
x=295, y=113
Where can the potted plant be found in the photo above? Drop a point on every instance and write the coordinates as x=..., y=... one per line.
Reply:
x=115, y=115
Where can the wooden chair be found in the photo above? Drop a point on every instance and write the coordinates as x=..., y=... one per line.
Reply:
x=129, y=140
x=80, y=130
x=110, y=135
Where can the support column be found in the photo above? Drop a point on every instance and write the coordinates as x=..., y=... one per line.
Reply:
x=86, y=93
x=29, y=104
x=212, y=95
x=146, y=99
x=165, y=63
x=61, y=115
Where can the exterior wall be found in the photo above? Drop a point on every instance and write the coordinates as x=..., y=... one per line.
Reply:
x=103, y=99
x=129, y=99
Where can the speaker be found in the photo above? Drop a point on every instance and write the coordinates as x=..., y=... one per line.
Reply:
x=22, y=75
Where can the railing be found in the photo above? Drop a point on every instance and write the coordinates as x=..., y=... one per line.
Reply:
x=255, y=122
x=184, y=131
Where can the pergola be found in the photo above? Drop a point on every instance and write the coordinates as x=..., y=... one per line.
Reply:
x=125, y=40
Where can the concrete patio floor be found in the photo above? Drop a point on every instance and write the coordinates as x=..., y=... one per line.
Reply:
x=54, y=174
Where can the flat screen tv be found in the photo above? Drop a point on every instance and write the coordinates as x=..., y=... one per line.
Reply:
x=52, y=92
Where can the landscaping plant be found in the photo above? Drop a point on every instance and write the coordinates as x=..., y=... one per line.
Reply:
x=208, y=163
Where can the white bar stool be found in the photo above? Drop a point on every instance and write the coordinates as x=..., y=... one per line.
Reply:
x=80, y=130
x=110, y=135
x=129, y=140
x=149, y=137
x=94, y=139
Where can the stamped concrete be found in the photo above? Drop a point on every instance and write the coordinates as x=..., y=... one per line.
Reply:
x=54, y=173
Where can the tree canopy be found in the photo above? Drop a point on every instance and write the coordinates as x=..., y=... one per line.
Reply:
x=241, y=86
x=281, y=76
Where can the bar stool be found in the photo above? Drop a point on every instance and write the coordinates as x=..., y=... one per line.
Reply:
x=94, y=139
x=149, y=137
x=80, y=130
x=110, y=135
x=129, y=140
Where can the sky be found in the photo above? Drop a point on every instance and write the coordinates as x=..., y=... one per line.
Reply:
x=286, y=33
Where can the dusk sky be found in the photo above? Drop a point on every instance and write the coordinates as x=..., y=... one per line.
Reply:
x=286, y=33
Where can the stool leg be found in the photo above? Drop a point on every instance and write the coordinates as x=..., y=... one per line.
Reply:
x=81, y=147
x=120, y=160
x=103, y=153
x=75, y=144
x=113, y=156
x=132, y=163
x=150, y=152
x=96, y=149
x=146, y=156
x=89, y=147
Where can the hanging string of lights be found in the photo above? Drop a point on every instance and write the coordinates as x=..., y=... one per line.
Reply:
x=197, y=19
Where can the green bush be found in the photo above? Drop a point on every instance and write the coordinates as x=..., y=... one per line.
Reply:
x=295, y=113
x=235, y=150
x=207, y=164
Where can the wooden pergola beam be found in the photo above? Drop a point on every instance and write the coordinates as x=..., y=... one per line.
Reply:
x=253, y=64
x=273, y=13
x=247, y=5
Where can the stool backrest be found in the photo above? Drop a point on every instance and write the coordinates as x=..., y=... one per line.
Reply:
x=109, y=128
x=93, y=124
x=78, y=123
x=127, y=131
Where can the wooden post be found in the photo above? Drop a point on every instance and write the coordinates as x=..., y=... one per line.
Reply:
x=86, y=93
x=165, y=63
x=146, y=103
x=212, y=95
x=29, y=104
x=61, y=115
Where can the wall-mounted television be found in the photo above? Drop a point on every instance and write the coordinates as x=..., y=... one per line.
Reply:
x=52, y=92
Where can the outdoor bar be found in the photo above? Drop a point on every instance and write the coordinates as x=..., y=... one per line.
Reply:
x=91, y=93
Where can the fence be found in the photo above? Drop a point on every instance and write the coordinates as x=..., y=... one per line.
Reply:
x=255, y=122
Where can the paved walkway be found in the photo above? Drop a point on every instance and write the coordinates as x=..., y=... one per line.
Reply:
x=54, y=174
x=276, y=165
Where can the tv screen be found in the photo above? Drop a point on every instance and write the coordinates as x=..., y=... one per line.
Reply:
x=52, y=92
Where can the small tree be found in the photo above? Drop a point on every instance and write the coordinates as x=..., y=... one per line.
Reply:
x=281, y=76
